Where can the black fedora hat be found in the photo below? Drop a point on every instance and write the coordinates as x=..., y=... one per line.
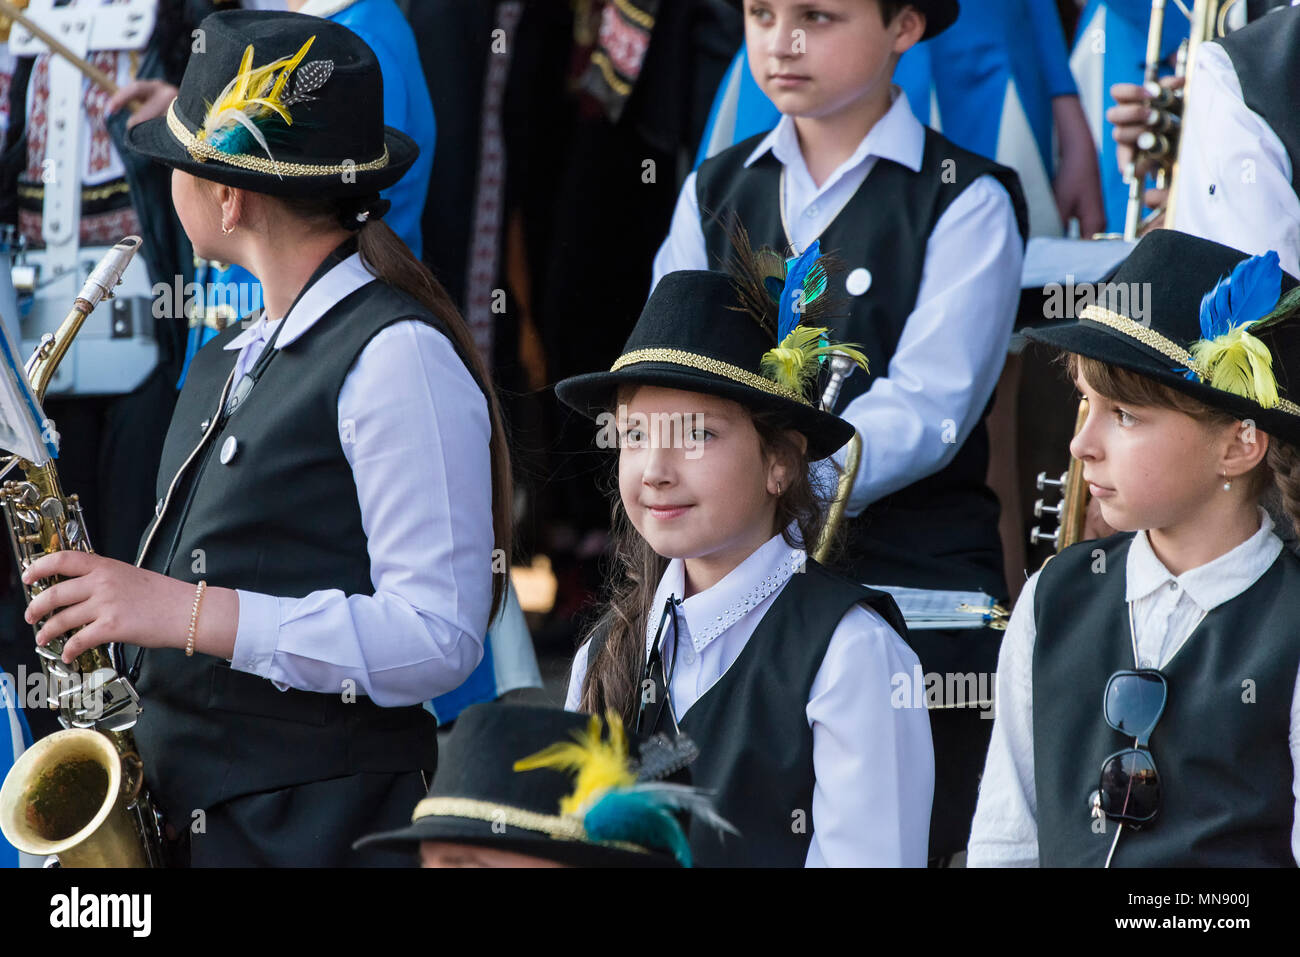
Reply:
x=306, y=121
x=700, y=332
x=1177, y=306
x=490, y=791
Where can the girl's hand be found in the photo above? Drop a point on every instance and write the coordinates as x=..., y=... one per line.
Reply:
x=111, y=601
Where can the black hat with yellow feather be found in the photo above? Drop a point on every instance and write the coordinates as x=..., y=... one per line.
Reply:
x=570, y=788
x=756, y=334
x=280, y=103
x=1219, y=325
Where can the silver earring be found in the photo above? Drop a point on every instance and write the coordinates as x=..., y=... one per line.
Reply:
x=226, y=231
x=1227, y=482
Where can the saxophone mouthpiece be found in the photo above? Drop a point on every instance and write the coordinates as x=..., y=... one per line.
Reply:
x=108, y=273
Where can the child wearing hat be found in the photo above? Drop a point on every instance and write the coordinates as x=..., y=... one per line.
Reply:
x=932, y=239
x=720, y=626
x=1140, y=670
x=332, y=486
x=527, y=786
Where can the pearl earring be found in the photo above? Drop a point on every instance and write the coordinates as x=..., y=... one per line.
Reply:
x=1227, y=482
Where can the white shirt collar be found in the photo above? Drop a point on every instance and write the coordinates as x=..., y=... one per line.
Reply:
x=711, y=612
x=1208, y=585
x=897, y=136
x=341, y=281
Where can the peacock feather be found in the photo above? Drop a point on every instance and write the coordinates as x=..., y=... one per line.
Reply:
x=1228, y=356
x=256, y=96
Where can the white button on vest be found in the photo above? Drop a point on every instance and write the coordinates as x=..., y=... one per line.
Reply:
x=858, y=281
x=228, y=450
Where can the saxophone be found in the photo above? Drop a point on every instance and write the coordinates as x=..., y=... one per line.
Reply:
x=78, y=794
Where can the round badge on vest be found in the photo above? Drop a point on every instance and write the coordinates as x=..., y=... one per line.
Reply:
x=858, y=281
x=228, y=449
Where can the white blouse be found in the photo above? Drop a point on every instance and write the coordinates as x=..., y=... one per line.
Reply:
x=874, y=762
x=414, y=427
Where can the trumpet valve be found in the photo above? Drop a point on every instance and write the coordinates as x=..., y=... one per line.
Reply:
x=1043, y=482
x=1037, y=535
x=1040, y=509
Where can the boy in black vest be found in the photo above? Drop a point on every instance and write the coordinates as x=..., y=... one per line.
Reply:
x=1138, y=669
x=932, y=240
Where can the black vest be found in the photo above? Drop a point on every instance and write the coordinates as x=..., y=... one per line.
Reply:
x=1266, y=58
x=281, y=518
x=1225, y=765
x=941, y=531
x=756, y=749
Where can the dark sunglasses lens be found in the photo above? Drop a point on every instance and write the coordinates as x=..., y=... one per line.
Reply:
x=1134, y=702
x=1130, y=788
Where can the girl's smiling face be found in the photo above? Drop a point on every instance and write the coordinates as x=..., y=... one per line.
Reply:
x=695, y=480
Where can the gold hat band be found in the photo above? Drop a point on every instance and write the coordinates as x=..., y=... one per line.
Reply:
x=202, y=150
x=1162, y=344
x=706, y=364
x=552, y=825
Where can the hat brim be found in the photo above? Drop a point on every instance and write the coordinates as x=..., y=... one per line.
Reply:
x=1114, y=348
x=153, y=139
x=594, y=393
x=457, y=830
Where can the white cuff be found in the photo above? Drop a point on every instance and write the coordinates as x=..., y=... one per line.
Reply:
x=255, y=638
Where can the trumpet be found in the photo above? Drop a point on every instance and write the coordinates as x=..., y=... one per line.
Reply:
x=78, y=794
x=1162, y=142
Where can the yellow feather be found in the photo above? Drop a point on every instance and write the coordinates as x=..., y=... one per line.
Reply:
x=254, y=92
x=1239, y=363
x=794, y=363
x=600, y=764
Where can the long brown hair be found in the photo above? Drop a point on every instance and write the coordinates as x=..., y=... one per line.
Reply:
x=1276, y=480
x=612, y=678
x=391, y=261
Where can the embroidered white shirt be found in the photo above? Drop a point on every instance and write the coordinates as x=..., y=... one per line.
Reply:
x=916, y=416
x=874, y=763
x=414, y=427
x=1166, y=610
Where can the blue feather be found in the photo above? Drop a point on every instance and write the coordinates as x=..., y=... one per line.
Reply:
x=796, y=272
x=1247, y=294
x=623, y=815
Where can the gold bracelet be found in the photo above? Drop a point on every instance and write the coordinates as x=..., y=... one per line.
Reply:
x=194, y=617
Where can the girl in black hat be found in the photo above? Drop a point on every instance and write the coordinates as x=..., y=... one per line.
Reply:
x=335, y=471
x=719, y=625
x=1148, y=706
